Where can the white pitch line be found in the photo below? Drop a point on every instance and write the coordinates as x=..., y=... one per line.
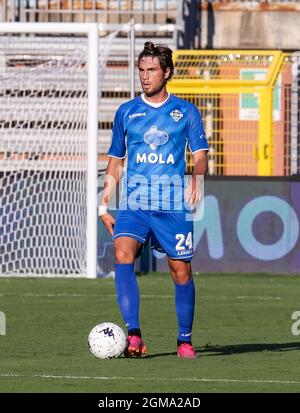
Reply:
x=88, y=295
x=249, y=297
x=178, y=379
x=239, y=297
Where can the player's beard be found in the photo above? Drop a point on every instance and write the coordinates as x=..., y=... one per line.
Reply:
x=156, y=90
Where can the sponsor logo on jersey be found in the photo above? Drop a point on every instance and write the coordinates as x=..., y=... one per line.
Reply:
x=155, y=137
x=154, y=158
x=176, y=115
x=137, y=115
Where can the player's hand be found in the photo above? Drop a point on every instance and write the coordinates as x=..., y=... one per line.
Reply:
x=109, y=222
x=192, y=193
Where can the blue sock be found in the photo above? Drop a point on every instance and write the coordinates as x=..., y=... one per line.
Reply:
x=128, y=294
x=185, y=304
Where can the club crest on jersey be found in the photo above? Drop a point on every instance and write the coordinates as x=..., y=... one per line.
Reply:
x=176, y=115
x=155, y=137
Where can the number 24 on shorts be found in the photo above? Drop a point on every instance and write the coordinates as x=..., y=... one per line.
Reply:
x=184, y=242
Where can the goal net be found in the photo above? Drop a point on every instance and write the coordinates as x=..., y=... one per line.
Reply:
x=48, y=153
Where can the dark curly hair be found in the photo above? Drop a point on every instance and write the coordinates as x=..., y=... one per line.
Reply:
x=163, y=53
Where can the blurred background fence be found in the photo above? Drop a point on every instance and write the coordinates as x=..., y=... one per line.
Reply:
x=249, y=99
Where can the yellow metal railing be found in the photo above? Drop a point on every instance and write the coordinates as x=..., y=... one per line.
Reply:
x=234, y=91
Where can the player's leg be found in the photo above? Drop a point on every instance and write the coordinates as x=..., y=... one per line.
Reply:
x=127, y=290
x=129, y=235
x=175, y=235
x=181, y=273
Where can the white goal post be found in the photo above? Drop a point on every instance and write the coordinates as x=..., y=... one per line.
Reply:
x=17, y=163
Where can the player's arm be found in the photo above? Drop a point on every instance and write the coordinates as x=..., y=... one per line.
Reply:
x=193, y=191
x=112, y=177
x=199, y=148
x=114, y=170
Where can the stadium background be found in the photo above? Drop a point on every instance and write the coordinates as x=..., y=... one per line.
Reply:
x=238, y=61
x=245, y=83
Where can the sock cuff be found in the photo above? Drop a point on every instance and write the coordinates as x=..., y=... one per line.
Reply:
x=191, y=281
x=124, y=266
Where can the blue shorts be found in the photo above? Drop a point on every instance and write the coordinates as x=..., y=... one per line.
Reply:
x=170, y=232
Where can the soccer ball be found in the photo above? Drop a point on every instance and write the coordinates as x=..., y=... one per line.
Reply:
x=107, y=340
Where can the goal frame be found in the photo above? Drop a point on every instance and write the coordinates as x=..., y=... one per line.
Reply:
x=91, y=30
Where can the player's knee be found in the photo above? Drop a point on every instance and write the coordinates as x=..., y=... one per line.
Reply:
x=181, y=277
x=123, y=256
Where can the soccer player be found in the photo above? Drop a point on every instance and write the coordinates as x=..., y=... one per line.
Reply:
x=152, y=131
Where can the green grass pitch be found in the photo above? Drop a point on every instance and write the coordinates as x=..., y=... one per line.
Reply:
x=242, y=330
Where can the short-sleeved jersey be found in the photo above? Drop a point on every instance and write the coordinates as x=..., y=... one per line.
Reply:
x=155, y=140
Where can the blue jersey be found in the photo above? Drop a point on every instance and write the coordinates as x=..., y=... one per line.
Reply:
x=155, y=140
